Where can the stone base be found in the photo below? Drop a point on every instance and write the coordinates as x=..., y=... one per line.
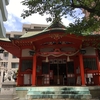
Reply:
x=8, y=91
x=7, y=97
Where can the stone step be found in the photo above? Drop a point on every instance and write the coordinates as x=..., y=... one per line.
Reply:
x=59, y=88
x=60, y=96
x=59, y=92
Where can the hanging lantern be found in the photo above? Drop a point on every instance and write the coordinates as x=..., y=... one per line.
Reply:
x=47, y=60
x=68, y=59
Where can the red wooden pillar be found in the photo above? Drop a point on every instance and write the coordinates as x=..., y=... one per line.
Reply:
x=34, y=70
x=82, y=69
x=98, y=65
x=98, y=77
x=19, y=79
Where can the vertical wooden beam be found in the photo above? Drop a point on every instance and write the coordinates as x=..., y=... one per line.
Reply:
x=82, y=69
x=19, y=80
x=34, y=70
x=98, y=65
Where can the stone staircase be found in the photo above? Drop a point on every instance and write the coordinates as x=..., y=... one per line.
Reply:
x=59, y=92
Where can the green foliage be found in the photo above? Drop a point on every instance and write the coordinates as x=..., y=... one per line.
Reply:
x=58, y=8
x=84, y=27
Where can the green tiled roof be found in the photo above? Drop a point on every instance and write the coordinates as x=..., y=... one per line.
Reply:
x=4, y=39
x=29, y=34
x=52, y=26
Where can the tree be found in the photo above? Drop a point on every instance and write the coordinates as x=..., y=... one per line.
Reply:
x=59, y=8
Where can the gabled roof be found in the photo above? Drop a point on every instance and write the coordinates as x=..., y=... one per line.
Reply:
x=52, y=26
x=51, y=37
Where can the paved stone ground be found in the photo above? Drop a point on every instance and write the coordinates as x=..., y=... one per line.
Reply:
x=62, y=99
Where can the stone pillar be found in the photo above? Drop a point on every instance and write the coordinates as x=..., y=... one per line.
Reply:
x=34, y=70
x=82, y=69
x=2, y=71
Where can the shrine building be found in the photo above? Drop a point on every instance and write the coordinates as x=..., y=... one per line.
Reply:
x=53, y=57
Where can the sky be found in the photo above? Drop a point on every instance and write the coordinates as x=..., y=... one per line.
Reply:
x=15, y=21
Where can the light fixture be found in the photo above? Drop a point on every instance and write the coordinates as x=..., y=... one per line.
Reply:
x=32, y=52
x=82, y=51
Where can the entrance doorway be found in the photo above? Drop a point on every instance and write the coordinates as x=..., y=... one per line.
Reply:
x=59, y=74
x=62, y=74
